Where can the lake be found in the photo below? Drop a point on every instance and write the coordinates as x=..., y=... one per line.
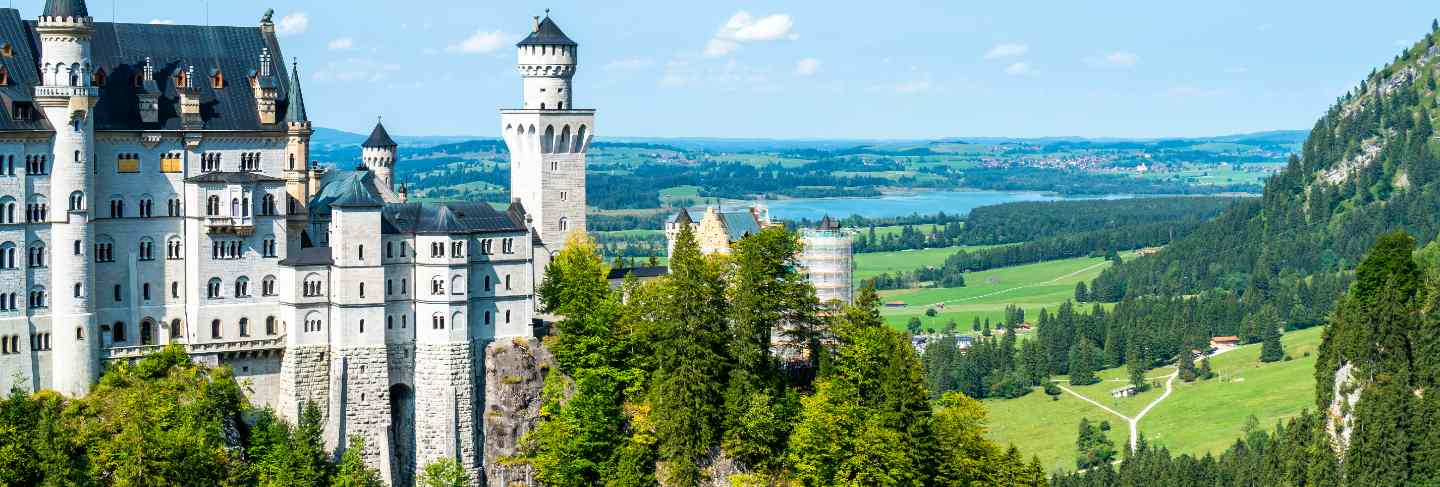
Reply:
x=893, y=205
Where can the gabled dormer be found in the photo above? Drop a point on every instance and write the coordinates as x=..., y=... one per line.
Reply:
x=266, y=89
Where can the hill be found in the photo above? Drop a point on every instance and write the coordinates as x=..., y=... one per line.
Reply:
x=1368, y=167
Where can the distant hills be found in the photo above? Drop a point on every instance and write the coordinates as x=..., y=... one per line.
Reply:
x=332, y=139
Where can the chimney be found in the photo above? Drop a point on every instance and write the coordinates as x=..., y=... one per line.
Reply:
x=315, y=174
x=148, y=96
x=189, y=101
x=266, y=89
x=537, y=23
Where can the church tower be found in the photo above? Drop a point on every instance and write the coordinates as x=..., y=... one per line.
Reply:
x=66, y=95
x=547, y=138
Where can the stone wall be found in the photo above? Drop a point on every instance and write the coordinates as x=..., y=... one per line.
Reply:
x=364, y=398
x=445, y=405
x=304, y=377
x=514, y=379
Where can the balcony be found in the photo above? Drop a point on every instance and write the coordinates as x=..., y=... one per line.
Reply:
x=243, y=226
x=67, y=91
x=226, y=347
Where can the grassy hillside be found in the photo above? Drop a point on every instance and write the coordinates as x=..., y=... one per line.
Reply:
x=986, y=293
x=1200, y=417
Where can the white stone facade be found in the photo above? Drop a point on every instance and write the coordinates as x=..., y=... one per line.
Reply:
x=117, y=242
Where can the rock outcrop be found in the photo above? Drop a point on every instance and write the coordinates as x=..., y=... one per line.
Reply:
x=514, y=379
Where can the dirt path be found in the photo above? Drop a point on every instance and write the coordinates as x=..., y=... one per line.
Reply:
x=1135, y=421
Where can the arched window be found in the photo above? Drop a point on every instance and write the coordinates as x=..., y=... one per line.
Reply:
x=215, y=329
x=173, y=248
x=79, y=291
x=175, y=329
x=212, y=205
x=488, y=287
x=437, y=321
x=267, y=286
x=118, y=296
x=564, y=144
x=362, y=326
x=270, y=325
x=7, y=255
x=362, y=289
x=579, y=140
x=234, y=206
x=360, y=252
x=35, y=256
x=564, y=224
x=457, y=285
x=267, y=205
x=212, y=290
x=244, y=327
x=457, y=319
x=547, y=141
x=77, y=201
x=437, y=286
x=145, y=291
x=117, y=332
x=389, y=322
x=242, y=287
x=175, y=289
x=313, y=285
x=37, y=297
x=147, y=332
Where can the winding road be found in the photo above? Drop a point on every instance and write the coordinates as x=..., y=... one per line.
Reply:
x=1135, y=421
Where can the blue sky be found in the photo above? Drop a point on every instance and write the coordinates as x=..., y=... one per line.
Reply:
x=828, y=69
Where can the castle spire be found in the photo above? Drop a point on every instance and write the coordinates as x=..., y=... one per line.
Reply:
x=296, y=110
x=65, y=8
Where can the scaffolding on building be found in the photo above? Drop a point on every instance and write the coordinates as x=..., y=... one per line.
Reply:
x=829, y=262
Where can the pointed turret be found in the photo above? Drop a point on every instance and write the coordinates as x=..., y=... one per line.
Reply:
x=295, y=111
x=379, y=138
x=378, y=153
x=546, y=33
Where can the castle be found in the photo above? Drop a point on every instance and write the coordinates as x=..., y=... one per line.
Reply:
x=157, y=180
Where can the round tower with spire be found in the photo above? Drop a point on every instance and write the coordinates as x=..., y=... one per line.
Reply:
x=378, y=154
x=66, y=95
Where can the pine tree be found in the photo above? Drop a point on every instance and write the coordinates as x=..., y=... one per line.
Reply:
x=1187, y=366
x=1206, y=373
x=1271, y=350
x=1083, y=363
x=691, y=364
x=1081, y=294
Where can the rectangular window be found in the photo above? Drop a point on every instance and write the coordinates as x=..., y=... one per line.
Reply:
x=127, y=163
x=170, y=162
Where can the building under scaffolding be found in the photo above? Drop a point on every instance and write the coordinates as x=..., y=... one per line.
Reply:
x=828, y=260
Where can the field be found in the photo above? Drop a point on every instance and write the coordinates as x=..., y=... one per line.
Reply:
x=986, y=293
x=1198, y=418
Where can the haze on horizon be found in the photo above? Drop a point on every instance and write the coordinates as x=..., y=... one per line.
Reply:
x=811, y=69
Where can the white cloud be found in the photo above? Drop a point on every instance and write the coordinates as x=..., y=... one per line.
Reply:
x=355, y=70
x=744, y=27
x=341, y=44
x=720, y=47
x=481, y=42
x=632, y=64
x=1006, y=50
x=747, y=28
x=1018, y=69
x=162, y=22
x=1114, y=59
x=807, y=67
x=296, y=23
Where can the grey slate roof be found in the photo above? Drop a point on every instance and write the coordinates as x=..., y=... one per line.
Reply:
x=232, y=178
x=547, y=34
x=430, y=218
x=356, y=188
x=306, y=256
x=65, y=8
x=21, y=67
x=120, y=50
x=379, y=138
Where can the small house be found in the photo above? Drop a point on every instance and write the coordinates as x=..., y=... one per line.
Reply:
x=1126, y=391
x=1224, y=342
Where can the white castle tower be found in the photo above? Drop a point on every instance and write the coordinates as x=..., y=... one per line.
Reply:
x=378, y=155
x=66, y=96
x=547, y=138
